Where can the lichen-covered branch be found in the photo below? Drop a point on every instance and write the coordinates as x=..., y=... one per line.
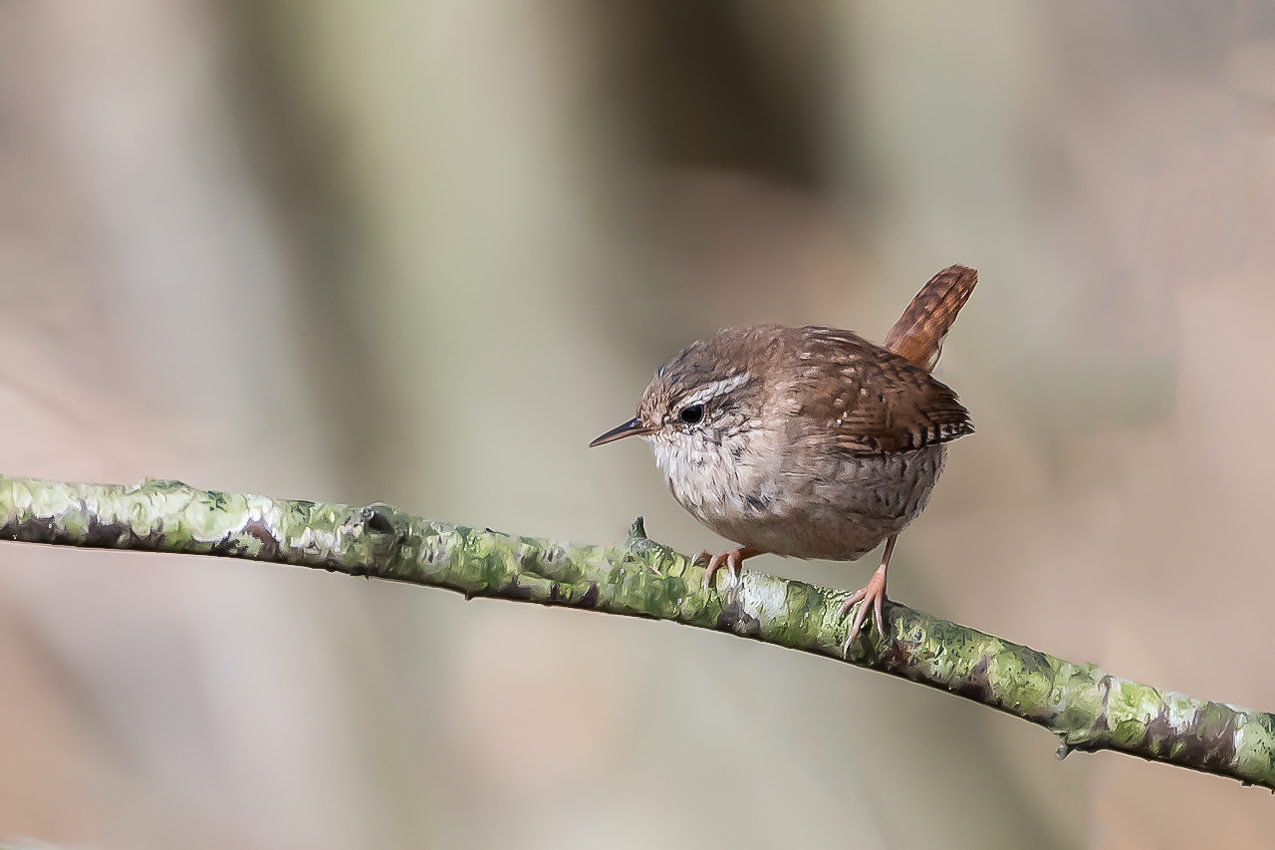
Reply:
x=1086, y=708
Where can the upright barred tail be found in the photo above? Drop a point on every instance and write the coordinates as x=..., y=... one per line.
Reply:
x=919, y=333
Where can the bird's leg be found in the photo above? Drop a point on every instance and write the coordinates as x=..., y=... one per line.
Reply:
x=731, y=560
x=872, y=595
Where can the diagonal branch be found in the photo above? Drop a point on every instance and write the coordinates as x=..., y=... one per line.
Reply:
x=1087, y=709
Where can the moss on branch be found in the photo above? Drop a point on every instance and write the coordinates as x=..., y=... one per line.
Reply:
x=1086, y=708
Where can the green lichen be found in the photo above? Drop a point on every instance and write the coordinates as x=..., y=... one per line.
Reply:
x=1086, y=708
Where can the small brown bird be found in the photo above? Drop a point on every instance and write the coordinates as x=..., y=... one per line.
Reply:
x=808, y=442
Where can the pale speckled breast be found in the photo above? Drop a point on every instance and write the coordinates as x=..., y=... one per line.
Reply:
x=839, y=509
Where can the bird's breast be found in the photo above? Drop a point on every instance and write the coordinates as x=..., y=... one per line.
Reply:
x=835, y=507
x=707, y=479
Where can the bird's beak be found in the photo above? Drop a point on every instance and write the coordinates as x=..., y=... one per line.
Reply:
x=633, y=427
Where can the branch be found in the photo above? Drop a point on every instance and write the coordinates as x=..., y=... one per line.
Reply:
x=1087, y=709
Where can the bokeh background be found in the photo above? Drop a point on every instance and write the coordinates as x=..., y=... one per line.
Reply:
x=424, y=251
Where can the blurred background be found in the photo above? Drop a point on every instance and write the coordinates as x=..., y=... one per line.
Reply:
x=423, y=252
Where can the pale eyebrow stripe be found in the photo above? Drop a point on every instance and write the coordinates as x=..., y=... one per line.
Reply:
x=716, y=388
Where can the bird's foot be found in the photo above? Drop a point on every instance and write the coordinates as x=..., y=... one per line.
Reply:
x=872, y=597
x=730, y=560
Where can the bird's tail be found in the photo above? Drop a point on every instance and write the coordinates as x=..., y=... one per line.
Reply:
x=919, y=333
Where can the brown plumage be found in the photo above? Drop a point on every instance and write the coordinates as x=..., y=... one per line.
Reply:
x=879, y=402
x=808, y=442
x=918, y=335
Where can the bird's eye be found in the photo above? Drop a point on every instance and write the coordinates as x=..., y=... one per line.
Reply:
x=692, y=414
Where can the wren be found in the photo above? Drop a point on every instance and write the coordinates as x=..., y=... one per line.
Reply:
x=809, y=442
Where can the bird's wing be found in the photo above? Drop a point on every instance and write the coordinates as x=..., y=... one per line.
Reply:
x=870, y=399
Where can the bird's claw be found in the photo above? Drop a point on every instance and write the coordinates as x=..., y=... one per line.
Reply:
x=731, y=560
x=872, y=597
